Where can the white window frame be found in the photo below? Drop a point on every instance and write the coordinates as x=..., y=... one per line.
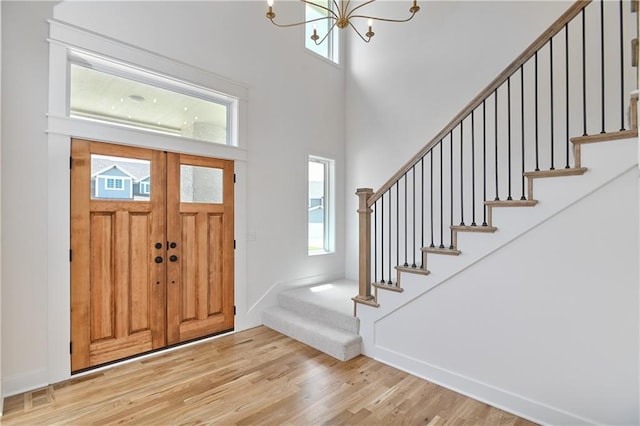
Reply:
x=328, y=205
x=145, y=188
x=332, y=41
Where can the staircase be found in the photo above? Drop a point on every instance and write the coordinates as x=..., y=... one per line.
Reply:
x=320, y=316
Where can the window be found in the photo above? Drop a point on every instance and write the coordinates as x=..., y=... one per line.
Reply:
x=321, y=234
x=115, y=183
x=104, y=91
x=329, y=47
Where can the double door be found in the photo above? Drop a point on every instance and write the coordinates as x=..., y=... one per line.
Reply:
x=151, y=250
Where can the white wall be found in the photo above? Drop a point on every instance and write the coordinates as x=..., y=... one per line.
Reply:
x=547, y=326
x=295, y=108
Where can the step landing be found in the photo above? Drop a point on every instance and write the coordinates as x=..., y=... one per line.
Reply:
x=320, y=316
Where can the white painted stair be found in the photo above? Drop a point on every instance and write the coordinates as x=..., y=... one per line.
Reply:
x=320, y=316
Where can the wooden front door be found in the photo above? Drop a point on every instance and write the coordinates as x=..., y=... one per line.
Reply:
x=152, y=250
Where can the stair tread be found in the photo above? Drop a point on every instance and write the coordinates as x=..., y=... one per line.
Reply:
x=603, y=137
x=511, y=203
x=331, y=306
x=388, y=287
x=476, y=228
x=333, y=341
x=412, y=270
x=575, y=171
x=438, y=250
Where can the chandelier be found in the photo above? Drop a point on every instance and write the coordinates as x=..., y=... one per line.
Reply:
x=341, y=15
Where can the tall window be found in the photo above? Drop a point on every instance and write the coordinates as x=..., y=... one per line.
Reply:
x=321, y=234
x=329, y=47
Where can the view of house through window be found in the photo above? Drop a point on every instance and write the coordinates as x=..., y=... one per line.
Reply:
x=112, y=93
x=117, y=178
x=329, y=47
x=320, y=206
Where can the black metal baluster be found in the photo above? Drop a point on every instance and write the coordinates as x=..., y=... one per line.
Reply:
x=566, y=74
x=461, y=177
x=422, y=204
x=413, y=249
x=431, y=184
x=441, y=198
x=375, y=242
x=390, y=240
x=584, y=76
x=522, y=127
x=621, y=70
x=509, y=138
x=405, y=220
x=496, y=138
x=382, y=238
x=536, y=112
x=451, y=187
x=602, y=61
x=397, y=223
x=484, y=163
x=473, y=170
x=551, y=92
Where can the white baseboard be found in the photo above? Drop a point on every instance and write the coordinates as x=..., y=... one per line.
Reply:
x=28, y=381
x=499, y=398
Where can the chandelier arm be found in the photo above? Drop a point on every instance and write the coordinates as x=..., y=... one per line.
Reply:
x=351, y=15
x=326, y=35
x=321, y=7
x=374, y=18
x=338, y=8
x=300, y=23
x=358, y=32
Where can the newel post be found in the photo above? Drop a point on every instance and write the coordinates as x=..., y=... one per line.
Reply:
x=364, y=246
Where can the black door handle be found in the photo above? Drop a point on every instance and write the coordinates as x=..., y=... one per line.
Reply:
x=173, y=258
x=158, y=259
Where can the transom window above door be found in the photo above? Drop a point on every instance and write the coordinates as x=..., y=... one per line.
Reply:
x=109, y=92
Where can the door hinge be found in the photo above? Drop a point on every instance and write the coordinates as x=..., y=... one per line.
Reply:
x=234, y=309
x=70, y=162
x=234, y=244
x=70, y=255
x=70, y=347
x=234, y=178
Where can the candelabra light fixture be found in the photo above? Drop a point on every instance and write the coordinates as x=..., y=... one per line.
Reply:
x=341, y=15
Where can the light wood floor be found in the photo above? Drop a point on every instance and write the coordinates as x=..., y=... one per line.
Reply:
x=253, y=377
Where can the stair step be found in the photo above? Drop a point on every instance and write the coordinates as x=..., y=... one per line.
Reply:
x=332, y=306
x=333, y=341
x=481, y=228
x=511, y=203
x=438, y=250
x=412, y=270
x=602, y=137
x=390, y=287
x=576, y=171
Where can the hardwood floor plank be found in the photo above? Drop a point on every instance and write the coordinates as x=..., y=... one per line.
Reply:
x=257, y=376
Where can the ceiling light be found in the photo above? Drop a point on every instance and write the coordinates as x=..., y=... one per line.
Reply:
x=136, y=98
x=341, y=13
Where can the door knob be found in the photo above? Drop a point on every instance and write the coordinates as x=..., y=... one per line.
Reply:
x=173, y=245
x=158, y=246
x=173, y=258
x=158, y=259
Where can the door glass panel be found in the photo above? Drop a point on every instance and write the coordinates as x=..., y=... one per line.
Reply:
x=120, y=178
x=200, y=184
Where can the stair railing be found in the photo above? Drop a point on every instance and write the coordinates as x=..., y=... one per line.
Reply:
x=574, y=79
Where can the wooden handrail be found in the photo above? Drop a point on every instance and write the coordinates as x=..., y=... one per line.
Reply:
x=558, y=25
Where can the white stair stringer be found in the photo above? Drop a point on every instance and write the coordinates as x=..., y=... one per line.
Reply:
x=605, y=162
